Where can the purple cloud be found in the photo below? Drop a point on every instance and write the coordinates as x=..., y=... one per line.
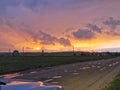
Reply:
x=112, y=23
x=65, y=42
x=94, y=28
x=83, y=34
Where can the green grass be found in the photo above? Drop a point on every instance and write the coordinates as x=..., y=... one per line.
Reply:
x=115, y=84
x=9, y=64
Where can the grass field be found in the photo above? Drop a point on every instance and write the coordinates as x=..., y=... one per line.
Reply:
x=115, y=84
x=9, y=64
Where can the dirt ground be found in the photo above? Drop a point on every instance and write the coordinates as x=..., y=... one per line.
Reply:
x=93, y=75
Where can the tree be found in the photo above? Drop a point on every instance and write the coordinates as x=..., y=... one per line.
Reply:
x=15, y=53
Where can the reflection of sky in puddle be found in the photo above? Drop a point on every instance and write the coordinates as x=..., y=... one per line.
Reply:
x=48, y=80
x=17, y=82
x=113, y=64
x=10, y=76
x=99, y=63
x=75, y=73
x=55, y=82
x=33, y=72
x=93, y=66
x=14, y=82
x=85, y=68
x=26, y=83
x=103, y=68
x=98, y=66
x=110, y=65
x=65, y=70
x=55, y=77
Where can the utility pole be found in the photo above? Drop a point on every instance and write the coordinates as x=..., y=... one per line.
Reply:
x=74, y=51
x=23, y=50
x=42, y=52
x=9, y=51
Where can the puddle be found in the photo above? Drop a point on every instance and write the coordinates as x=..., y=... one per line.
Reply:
x=10, y=76
x=48, y=80
x=33, y=72
x=98, y=66
x=110, y=65
x=55, y=82
x=103, y=68
x=75, y=73
x=55, y=77
x=65, y=70
x=93, y=66
x=85, y=68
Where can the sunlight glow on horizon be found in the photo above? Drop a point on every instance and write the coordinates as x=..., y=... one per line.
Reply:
x=37, y=48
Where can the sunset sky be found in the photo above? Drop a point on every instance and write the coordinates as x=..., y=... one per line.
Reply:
x=59, y=25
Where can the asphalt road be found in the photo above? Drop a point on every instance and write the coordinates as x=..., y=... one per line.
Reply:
x=94, y=75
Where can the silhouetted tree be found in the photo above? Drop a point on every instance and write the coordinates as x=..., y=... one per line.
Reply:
x=15, y=53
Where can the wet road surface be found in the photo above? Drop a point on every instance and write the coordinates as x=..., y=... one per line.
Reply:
x=93, y=75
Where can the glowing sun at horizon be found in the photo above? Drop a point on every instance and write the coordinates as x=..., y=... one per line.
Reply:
x=37, y=48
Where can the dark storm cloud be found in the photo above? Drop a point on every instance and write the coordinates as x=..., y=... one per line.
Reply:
x=113, y=33
x=37, y=35
x=49, y=39
x=112, y=23
x=46, y=38
x=83, y=34
x=65, y=42
x=94, y=28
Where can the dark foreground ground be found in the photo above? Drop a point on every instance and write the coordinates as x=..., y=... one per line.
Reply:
x=9, y=64
x=92, y=75
x=115, y=84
